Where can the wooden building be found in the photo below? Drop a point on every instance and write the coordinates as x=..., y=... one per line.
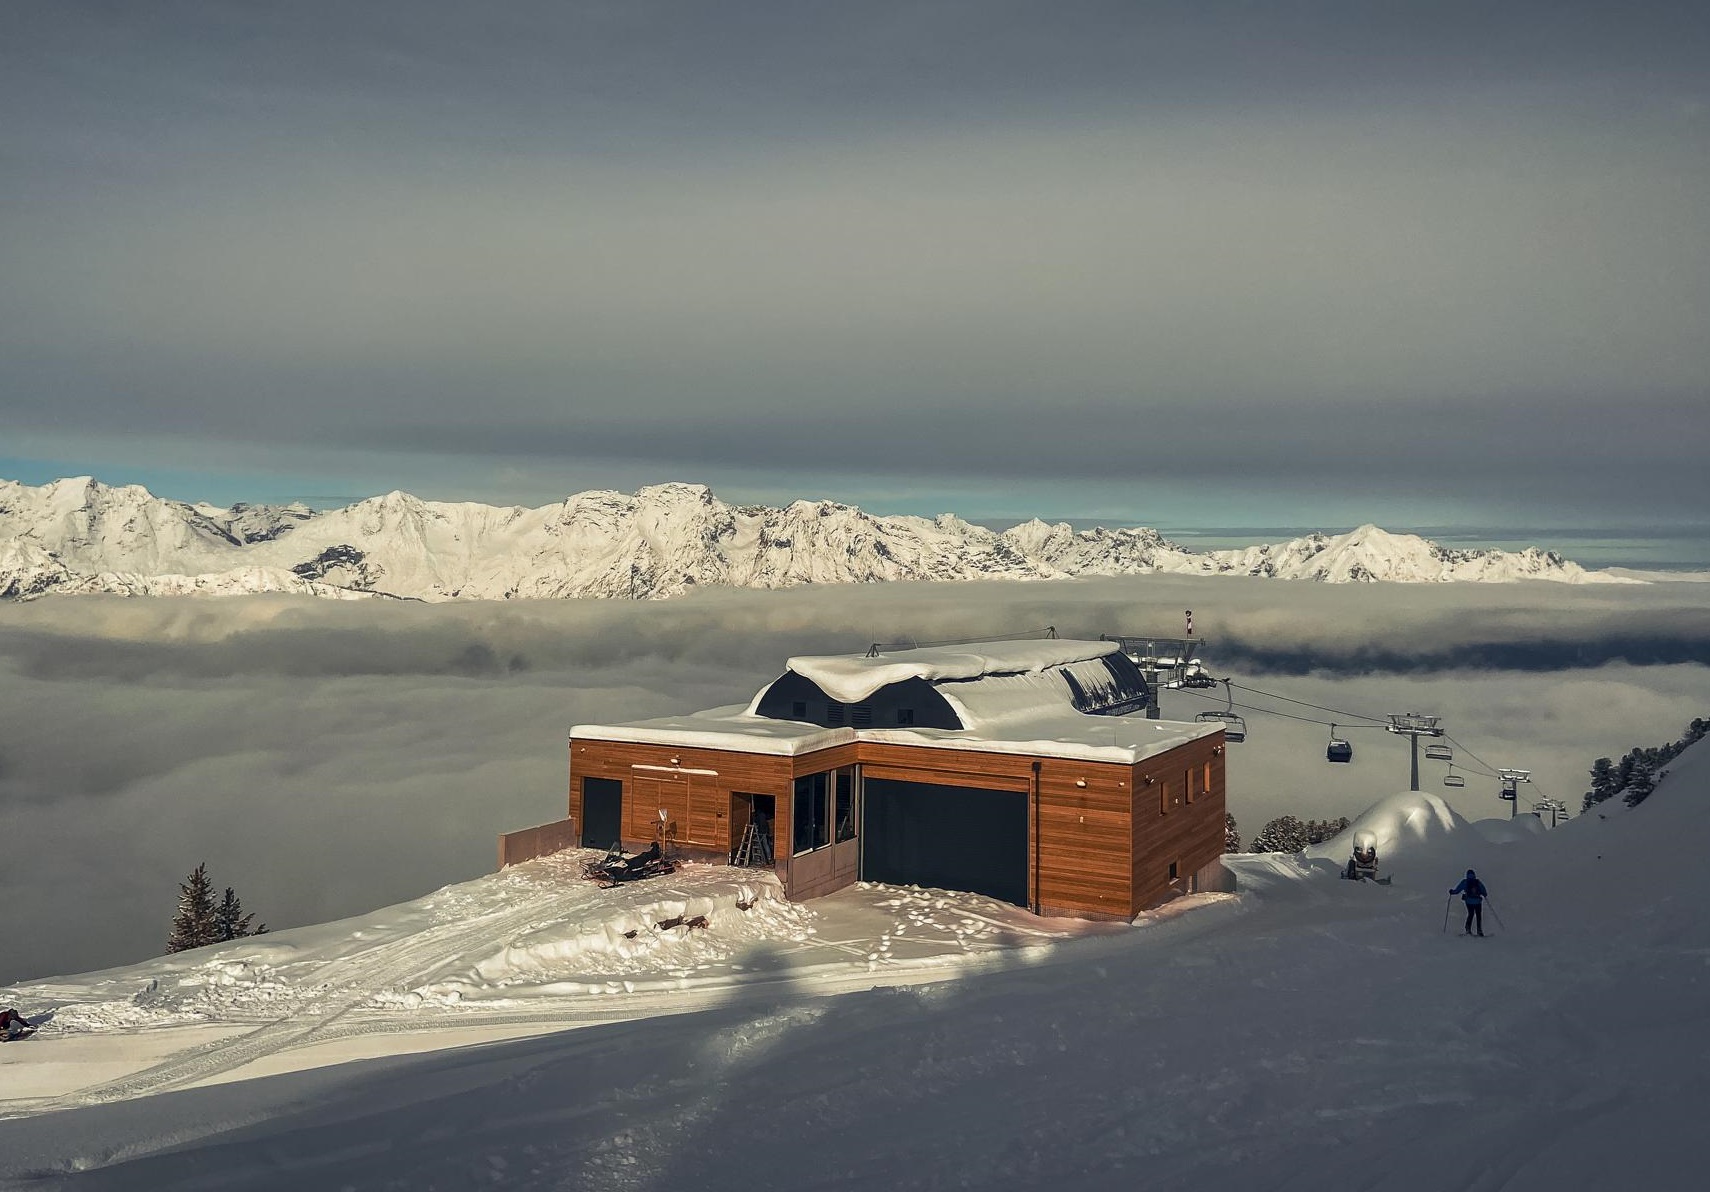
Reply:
x=1022, y=770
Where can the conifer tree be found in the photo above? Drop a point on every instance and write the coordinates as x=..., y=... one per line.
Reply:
x=1285, y=834
x=232, y=921
x=1602, y=783
x=1231, y=834
x=1641, y=783
x=196, y=924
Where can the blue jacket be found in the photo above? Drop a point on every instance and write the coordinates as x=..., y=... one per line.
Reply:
x=1471, y=890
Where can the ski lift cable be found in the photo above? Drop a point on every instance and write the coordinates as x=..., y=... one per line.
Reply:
x=1467, y=751
x=1490, y=770
x=1274, y=712
x=1487, y=771
x=1379, y=720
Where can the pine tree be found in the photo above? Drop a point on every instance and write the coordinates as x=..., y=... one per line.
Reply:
x=196, y=924
x=1231, y=834
x=1602, y=783
x=232, y=923
x=1285, y=834
x=1641, y=784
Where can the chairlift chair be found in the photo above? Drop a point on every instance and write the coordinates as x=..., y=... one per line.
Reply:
x=1453, y=779
x=1439, y=753
x=1234, y=728
x=1338, y=750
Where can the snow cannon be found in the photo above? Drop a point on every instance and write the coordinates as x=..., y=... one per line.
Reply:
x=1362, y=863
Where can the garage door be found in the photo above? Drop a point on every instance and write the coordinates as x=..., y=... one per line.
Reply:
x=950, y=837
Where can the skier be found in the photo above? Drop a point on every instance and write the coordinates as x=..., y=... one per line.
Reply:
x=1472, y=893
x=14, y=1024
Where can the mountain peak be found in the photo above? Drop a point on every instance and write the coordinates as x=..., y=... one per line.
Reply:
x=76, y=535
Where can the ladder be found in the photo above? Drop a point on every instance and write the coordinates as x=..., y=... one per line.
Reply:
x=753, y=846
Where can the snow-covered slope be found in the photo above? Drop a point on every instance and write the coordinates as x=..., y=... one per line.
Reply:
x=79, y=536
x=1303, y=1033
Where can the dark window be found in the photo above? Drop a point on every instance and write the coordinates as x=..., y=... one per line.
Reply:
x=846, y=803
x=1175, y=870
x=833, y=713
x=863, y=716
x=812, y=814
x=798, y=710
x=905, y=716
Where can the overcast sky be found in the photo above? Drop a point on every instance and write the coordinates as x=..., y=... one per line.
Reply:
x=1160, y=263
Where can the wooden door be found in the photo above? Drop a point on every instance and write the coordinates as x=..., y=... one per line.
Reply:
x=668, y=793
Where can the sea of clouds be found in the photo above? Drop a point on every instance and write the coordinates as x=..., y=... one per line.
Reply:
x=327, y=758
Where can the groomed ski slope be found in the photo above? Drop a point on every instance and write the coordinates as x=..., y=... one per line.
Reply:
x=1303, y=1034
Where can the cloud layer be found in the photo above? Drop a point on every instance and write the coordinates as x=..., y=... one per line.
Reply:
x=326, y=759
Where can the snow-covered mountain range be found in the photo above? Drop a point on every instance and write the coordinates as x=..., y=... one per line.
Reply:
x=79, y=536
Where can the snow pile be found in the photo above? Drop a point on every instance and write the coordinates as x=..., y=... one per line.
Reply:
x=667, y=939
x=1411, y=823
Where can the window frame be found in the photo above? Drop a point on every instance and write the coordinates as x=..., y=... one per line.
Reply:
x=811, y=793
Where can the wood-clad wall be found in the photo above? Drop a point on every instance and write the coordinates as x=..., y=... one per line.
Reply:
x=694, y=791
x=1178, y=818
x=1102, y=835
x=1084, y=838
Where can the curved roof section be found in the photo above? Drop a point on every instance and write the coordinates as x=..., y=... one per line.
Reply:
x=852, y=679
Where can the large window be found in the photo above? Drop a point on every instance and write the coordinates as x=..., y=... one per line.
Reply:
x=812, y=813
x=825, y=810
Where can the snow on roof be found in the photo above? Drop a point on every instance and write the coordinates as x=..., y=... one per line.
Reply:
x=1065, y=734
x=1009, y=719
x=852, y=678
x=732, y=728
x=1009, y=696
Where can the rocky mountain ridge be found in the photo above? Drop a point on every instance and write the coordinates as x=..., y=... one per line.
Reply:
x=78, y=536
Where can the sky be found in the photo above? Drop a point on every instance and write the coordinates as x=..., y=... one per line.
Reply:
x=325, y=758
x=1176, y=263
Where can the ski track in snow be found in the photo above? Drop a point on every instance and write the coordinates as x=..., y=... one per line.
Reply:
x=371, y=990
x=348, y=982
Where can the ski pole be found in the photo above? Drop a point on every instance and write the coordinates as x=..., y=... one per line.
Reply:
x=1492, y=907
x=1446, y=905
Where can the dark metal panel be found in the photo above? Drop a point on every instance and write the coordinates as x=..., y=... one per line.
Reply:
x=602, y=812
x=949, y=837
x=910, y=703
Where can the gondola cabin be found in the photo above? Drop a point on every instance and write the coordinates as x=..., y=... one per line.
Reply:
x=1339, y=751
x=1026, y=771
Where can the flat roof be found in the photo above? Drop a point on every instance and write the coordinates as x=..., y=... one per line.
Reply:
x=733, y=728
x=1054, y=733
